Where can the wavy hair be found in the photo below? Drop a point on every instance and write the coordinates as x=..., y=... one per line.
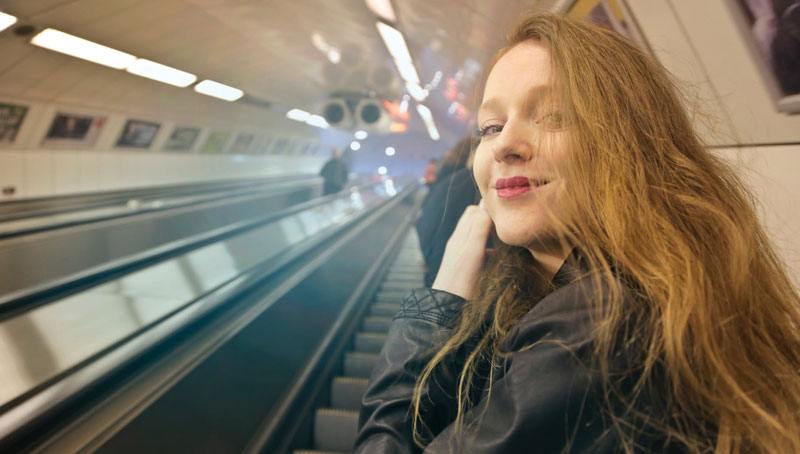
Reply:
x=716, y=318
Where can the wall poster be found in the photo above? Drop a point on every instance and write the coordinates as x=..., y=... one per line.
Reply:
x=11, y=118
x=182, y=139
x=243, y=143
x=771, y=29
x=138, y=134
x=216, y=142
x=73, y=130
x=611, y=14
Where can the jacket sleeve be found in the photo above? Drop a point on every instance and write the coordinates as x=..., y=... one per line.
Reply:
x=422, y=325
x=548, y=398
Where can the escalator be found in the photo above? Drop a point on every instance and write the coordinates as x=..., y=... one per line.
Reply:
x=334, y=426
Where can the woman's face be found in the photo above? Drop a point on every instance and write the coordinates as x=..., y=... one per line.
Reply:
x=523, y=141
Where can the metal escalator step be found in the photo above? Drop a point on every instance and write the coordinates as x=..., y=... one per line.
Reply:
x=346, y=392
x=385, y=309
x=397, y=286
x=405, y=276
x=335, y=430
x=359, y=364
x=317, y=452
x=376, y=324
x=369, y=342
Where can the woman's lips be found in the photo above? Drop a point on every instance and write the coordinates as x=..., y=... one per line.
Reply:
x=512, y=187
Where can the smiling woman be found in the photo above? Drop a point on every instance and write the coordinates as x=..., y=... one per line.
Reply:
x=633, y=302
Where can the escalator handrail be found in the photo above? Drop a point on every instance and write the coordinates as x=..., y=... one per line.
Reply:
x=212, y=197
x=100, y=199
x=17, y=302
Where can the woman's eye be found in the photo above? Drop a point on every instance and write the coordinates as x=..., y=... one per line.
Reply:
x=553, y=121
x=489, y=130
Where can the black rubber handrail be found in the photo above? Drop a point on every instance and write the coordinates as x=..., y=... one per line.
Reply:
x=23, y=300
x=15, y=209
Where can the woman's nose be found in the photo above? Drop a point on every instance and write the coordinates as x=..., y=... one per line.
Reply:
x=515, y=143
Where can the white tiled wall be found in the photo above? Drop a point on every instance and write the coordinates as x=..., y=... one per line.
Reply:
x=701, y=45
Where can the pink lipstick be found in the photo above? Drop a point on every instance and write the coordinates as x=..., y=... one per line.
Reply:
x=512, y=187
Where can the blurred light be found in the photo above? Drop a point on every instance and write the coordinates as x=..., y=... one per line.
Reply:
x=382, y=8
x=407, y=71
x=355, y=146
x=398, y=127
x=161, y=73
x=390, y=151
x=437, y=79
x=307, y=118
x=382, y=170
x=218, y=90
x=81, y=48
x=389, y=185
x=404, y=104
x=318, y=121
x=333, y=53
x=427, y=117
x=417, y=92
x=297, y=115
x=6, y=20
x=361, y=134
x=394, y=41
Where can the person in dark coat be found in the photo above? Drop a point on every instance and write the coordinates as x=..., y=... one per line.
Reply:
x=334, y=172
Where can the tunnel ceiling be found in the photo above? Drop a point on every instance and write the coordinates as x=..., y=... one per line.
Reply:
x=268, y=48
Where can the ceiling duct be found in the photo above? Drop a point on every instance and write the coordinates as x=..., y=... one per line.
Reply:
x=338, y=114
x=370, y=114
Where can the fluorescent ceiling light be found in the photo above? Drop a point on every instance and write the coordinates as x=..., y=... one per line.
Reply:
x=417, y=92
x=355, y=146
x=382, y=8
x=298, y=115
x=407, y=71
x=161, y=73
x=427, y=117
x=361, y=134
x=218, y=90
x=318, y=121
x=390, y=151
x=394, y=41
x=6, y=20
x=81, y=48
x=382, y=170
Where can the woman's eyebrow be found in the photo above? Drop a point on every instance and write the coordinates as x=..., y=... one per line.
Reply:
x=534, y=96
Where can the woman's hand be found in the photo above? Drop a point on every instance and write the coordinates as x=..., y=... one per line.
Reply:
x=465, y=254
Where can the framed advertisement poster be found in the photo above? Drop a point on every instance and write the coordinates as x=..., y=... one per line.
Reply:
x=138, y=134
x=611, y=14
x=243, y=143
x=182, y=139
x=771, y=30
x=216, y=142
x=70, y=130
x=11, y=118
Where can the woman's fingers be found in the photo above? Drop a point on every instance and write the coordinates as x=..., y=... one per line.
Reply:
x=465, y=254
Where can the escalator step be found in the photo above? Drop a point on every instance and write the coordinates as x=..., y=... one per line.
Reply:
x=385, y=309
x=346, y=392
x=317, y=452
x=358, y=364
x=335, y=430
x=377, y=324
x=395, y=286
x=369, y=342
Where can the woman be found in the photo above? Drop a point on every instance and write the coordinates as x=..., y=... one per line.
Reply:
x=633, y=303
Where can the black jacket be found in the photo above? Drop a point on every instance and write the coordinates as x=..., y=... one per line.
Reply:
x=441, y=211
x=547, y=399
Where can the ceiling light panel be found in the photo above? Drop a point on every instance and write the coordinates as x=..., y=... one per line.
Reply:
x=161, y=73
x=383, y=9
x=394, y=41
x=427, y=118
x=82, y=48
x=6, y=20
x=218, y=90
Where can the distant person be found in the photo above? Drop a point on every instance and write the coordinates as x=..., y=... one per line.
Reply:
x=454, y=159
x=443, y=206
x=334, y=173
x=430, y=171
